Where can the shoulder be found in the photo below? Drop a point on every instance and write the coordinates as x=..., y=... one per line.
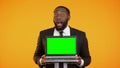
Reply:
x=79, y=33
x=47, y=30
x=76, y=30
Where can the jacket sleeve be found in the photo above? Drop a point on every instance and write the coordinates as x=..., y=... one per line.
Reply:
x=39, y=50
x=84, y=51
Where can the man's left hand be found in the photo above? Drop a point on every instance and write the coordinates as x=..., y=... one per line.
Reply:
x=79, y=60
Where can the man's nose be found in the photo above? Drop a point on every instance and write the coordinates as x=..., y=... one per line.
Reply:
x=58, y=17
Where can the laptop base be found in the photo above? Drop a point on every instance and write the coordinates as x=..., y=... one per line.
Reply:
x=61, y=59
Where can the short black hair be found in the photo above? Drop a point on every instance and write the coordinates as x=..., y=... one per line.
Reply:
x=68, y=11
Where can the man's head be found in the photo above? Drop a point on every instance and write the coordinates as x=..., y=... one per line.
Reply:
x=61, y=17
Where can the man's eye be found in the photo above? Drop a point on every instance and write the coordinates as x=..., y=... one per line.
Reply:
x=62, y=15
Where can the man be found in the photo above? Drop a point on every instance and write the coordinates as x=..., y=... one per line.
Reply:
x=61, y=18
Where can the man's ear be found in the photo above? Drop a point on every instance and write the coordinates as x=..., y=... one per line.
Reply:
x=69, y=17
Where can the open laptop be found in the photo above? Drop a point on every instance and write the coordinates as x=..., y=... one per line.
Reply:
x=61, y=49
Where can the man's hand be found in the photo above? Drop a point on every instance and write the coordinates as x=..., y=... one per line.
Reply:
x=43, y=59
x=79, y=60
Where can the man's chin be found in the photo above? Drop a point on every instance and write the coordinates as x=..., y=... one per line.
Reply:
x=59, y=28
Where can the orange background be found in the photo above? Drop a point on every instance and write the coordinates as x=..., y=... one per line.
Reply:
x=21, y=21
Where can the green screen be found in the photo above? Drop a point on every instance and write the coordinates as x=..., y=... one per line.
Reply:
x=61, y=45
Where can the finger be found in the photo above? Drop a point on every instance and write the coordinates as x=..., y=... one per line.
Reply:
x=79, y=62
x=43, y=56
x=44, y=62
x=72, y=63
x=78, y=58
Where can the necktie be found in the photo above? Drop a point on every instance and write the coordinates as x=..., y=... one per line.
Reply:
x=61, y=64
x=61, y=33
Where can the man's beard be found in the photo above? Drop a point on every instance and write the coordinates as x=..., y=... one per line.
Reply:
x=64, y=24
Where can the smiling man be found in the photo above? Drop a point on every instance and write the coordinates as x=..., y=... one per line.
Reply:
x=61, y=18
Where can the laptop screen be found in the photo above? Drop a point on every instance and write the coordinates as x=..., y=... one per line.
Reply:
x=61, y=45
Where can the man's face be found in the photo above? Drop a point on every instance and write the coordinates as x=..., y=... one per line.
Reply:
x=61, y=18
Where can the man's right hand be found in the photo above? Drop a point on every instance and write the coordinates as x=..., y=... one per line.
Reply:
x=43, y=59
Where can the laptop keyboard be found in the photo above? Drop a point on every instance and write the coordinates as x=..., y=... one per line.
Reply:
x=61, y=59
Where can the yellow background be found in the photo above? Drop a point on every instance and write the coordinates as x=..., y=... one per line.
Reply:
x=21, y=21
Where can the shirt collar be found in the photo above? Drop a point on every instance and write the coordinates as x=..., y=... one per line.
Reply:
x=66, y=32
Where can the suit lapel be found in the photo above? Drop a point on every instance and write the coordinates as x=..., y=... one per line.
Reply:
x=72, y=31
x=52, y=31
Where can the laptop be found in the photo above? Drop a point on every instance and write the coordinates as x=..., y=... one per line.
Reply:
x=61, y=49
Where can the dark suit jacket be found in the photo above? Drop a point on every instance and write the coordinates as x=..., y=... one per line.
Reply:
x=82, y=47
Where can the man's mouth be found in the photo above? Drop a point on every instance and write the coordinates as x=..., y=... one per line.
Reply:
x=59, y=24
